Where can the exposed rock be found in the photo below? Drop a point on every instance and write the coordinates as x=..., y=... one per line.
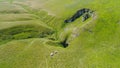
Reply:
x=85, y=17
x=78, y=14
x=53, y=53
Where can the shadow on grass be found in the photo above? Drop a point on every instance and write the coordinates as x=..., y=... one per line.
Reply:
x=23, y=32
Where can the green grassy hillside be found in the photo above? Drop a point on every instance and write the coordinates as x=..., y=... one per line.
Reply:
x=30, y=30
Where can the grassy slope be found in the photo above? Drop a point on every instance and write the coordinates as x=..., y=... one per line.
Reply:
x=99, y=49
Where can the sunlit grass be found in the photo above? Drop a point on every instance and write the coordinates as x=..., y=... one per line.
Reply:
x=96, y=49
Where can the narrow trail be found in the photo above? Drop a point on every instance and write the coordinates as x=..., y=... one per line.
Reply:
x=28, y=46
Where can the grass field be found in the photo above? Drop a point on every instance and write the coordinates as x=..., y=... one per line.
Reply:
x=30, y=30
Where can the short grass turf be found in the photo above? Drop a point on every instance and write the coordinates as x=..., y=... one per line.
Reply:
x=97, y=49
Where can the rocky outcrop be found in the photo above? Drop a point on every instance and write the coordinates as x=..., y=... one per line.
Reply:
x=85, y=17
x=86, y=13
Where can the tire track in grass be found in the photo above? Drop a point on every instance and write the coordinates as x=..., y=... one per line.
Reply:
x=31, y=43
x=27, y=47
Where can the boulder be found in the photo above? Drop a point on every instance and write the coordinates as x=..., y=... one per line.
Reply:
x=85, y=17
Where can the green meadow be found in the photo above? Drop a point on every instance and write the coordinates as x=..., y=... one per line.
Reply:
x=30, y=30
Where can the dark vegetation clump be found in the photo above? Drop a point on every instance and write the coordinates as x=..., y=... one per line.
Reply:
x=86, y=12
x=23, y=32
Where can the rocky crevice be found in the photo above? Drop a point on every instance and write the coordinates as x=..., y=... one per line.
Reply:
x=85, y=13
